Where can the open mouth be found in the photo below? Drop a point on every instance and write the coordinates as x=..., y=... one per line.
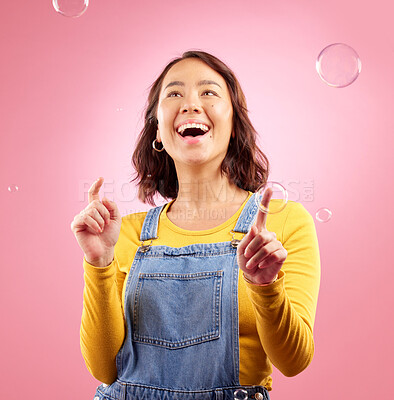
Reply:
x=193, y=132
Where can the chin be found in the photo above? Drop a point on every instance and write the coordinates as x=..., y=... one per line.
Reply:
x=195, y=161
x=192, y=159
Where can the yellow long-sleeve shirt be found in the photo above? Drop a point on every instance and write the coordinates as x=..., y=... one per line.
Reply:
x=275, y=321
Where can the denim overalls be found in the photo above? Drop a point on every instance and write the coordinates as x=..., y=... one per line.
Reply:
x=181, y=311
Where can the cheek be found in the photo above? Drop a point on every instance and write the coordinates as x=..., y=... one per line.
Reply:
x=164, y=111
x=222, y=111
x=160, y=113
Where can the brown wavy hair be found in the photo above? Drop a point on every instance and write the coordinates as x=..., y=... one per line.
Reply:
x=245, y=164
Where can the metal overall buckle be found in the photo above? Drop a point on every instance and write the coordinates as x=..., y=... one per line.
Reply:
x=234, y=242
x=145, y=247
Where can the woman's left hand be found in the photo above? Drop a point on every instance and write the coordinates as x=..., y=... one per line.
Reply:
x=259, y=254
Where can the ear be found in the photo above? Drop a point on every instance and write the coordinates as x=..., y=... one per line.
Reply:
x=158, y=135
x=233, y=134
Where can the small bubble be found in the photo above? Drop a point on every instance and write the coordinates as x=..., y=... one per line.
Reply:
x=338, y=65
x=278, y=200
x=323, y=214
x=70, y=8
x=240, y=394
x=119, y=109
x=13, y=188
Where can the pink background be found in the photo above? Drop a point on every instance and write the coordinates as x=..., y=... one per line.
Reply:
x=72, y=96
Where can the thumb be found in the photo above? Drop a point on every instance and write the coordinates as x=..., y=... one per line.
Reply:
x=247, y=239
x=112, y=208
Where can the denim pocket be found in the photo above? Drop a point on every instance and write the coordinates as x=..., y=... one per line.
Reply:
x=177, y=310
x=115, y=391
x=100, y=393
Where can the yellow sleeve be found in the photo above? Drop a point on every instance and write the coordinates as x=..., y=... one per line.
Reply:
x=102, y=323
x=285, y=310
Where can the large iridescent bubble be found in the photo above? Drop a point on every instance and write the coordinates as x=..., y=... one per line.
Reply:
x=338, y=65
x=70, y=8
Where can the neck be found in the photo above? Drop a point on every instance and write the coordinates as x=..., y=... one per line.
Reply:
x=207, y=188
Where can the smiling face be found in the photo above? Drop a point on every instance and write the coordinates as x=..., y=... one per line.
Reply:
x=192, y=92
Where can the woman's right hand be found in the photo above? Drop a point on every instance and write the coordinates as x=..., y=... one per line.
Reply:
x=97, y=228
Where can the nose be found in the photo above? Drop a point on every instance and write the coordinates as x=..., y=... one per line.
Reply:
x=191, y=108
x=190, y=104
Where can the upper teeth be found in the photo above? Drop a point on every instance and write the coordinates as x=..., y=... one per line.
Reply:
x=203, y=127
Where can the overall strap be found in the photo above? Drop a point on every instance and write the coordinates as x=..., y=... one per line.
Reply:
x=149, y=228
x=248, y=215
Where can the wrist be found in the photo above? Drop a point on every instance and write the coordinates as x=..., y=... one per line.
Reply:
x=101, y=262
x=260, y=284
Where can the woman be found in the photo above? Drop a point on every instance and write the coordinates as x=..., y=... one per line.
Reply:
x=167, y=314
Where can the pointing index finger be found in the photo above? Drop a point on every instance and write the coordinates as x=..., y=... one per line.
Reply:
x=93, y=193
x=262, y=216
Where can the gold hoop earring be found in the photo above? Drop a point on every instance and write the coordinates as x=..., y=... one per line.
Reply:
x=154, y=146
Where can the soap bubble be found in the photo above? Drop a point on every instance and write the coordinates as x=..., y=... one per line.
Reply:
x=278, y=200
x=338, y=65
x=70, y=8
x=13, y=188
x=240, y=394
x=323, y=214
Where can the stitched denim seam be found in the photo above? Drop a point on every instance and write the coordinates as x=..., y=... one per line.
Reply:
x=119, y=356
x=218, y=303
x=235, y=320
x=107, y=396
x=172, y=345
x=136, y=307
x=187, y=277
x=251, y=388
x=149, y=225
x=203, y=253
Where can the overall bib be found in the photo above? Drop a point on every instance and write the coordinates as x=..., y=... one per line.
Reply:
x=181, y=312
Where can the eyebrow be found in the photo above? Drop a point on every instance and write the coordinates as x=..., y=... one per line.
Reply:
x=200, y=83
